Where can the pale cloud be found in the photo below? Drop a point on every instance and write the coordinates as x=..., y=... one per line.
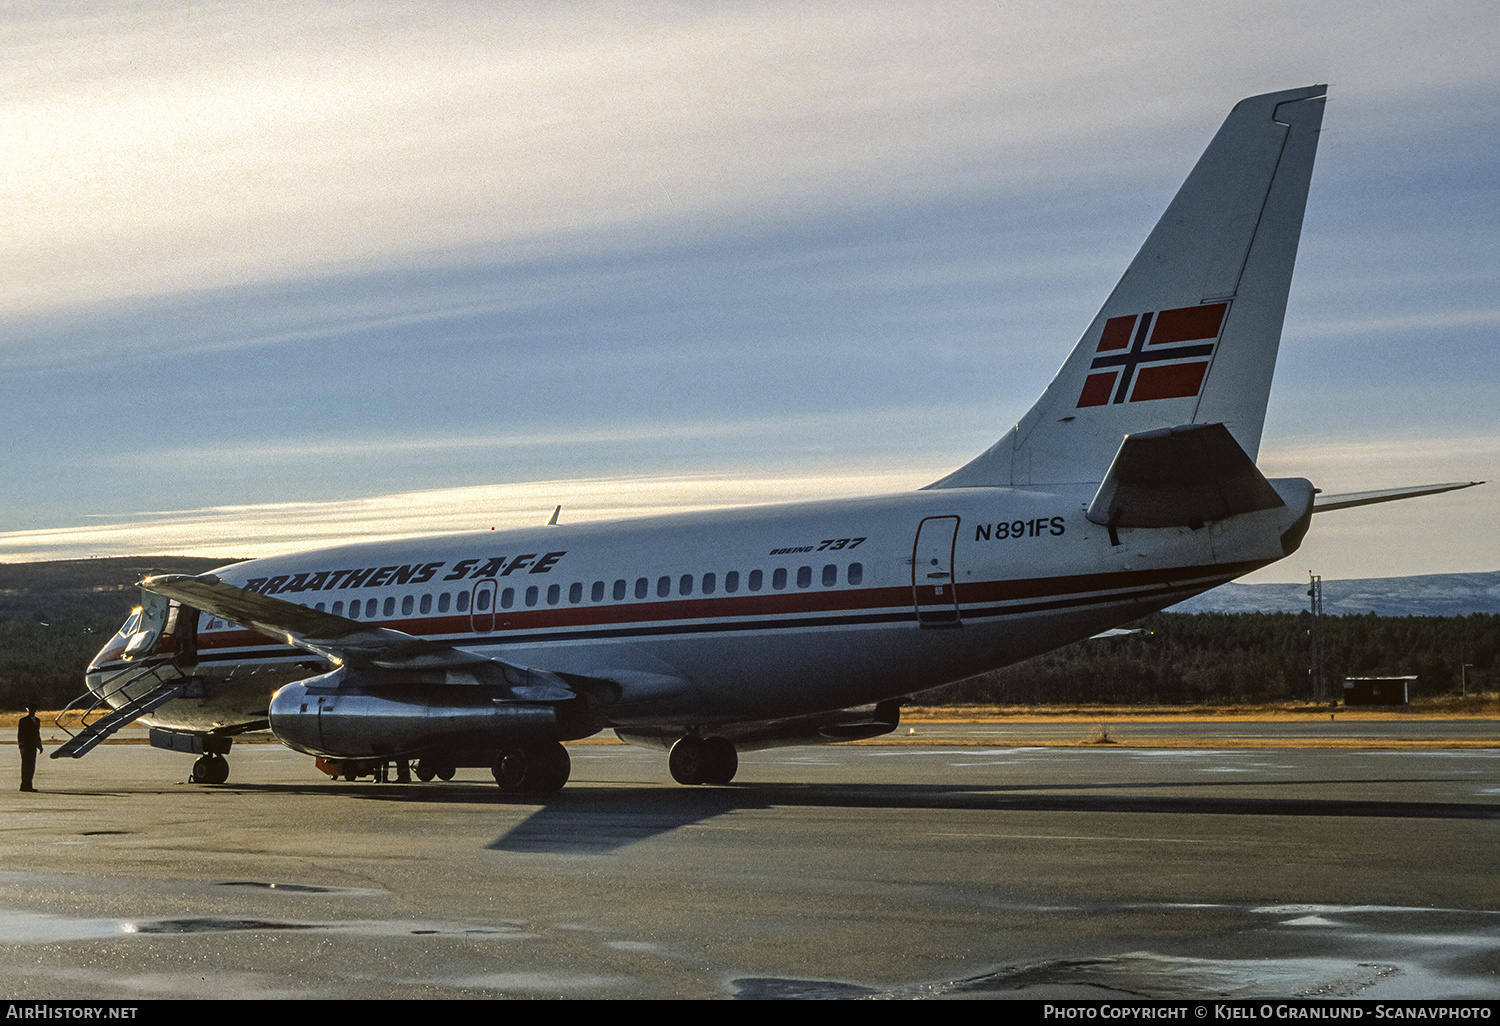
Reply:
x=358, y=250
x=267, y=529
x=161, y=147
x=1448, y=533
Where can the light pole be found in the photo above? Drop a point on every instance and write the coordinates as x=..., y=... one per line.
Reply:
x=1314, y=637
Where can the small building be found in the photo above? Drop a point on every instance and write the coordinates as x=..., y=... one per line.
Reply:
x=1377, y=690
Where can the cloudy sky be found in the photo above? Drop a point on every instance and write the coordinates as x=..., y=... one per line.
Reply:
x=279, y=273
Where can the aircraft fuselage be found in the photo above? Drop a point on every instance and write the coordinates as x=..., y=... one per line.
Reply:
x=743, y=614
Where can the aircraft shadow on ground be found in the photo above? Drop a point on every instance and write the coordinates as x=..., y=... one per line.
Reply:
x=588, y=818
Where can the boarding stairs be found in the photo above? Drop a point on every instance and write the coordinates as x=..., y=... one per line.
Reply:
x=170, y=682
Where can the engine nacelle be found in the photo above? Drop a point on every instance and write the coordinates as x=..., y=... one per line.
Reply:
x=344, y=715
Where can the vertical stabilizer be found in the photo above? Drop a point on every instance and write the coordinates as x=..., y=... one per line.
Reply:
x=1189, y=335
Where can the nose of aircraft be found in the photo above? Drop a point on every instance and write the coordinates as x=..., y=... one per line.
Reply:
x=114, y=649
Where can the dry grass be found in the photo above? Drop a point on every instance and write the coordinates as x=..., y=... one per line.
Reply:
x=1100, y=736
x=1445, y=707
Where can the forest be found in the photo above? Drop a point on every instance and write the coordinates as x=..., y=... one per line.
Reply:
x=1239, y=658
x=55, y=616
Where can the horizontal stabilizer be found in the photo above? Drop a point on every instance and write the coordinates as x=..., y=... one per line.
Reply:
x=1183, y=476
x=1324, y=503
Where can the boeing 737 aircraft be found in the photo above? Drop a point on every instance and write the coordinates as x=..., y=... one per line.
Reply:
x=1130, y=486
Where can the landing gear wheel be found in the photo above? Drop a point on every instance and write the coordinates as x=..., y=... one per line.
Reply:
x=534, y=768
x=696, y=760
x=425, y=772
x=510, y=769
x=211, y=769
x=720, y=761
x=685, y=760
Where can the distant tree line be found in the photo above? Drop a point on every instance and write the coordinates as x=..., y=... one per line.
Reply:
x=55, y=616
x=1226, y=658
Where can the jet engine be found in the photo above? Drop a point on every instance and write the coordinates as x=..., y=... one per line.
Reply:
x=347, y=714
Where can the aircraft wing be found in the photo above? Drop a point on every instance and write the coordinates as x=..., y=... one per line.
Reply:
x=1323, y=503
x=327, y=635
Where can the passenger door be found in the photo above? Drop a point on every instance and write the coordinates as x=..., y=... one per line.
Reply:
x=934, y=592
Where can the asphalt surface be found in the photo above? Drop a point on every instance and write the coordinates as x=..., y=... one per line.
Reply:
x=957, y=862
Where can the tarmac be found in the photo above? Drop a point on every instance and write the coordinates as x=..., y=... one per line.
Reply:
x=993, y=860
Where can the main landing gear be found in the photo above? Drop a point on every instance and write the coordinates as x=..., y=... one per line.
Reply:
x=703, y=760
x=534, y=768
x=210, y=768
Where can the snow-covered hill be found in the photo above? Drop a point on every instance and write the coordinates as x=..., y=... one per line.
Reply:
x=1424, y=595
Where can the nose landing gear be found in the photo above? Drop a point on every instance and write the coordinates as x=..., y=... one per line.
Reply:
x=211, y=768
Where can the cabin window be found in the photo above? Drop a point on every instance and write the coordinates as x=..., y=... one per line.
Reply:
x=443, y=602
x=641, y=587
x=856, y=573
x=778, y=578
x=732, y=581
x=408, y=603
x=830, y=575
x=575, y=592
x=685, y=585
x=619, y=591
x=756, y=577
x=338, y=608
x=804, y=577
x=553, y=594
x=663, y=587
x=531, y=595
x=709, y=582
x=461, y=603
x=426, y=606
x=507, y=598
x=597, y=594
x=482, y=600
x=370, y=609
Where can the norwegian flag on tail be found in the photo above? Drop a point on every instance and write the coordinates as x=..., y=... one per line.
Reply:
x=1153, y=355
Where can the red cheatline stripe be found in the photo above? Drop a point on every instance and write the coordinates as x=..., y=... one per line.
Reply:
x=730, y=610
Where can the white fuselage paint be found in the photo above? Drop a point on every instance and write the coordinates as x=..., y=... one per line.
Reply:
x=744, y=614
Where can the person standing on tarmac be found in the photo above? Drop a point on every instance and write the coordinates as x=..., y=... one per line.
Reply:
x=29, y=740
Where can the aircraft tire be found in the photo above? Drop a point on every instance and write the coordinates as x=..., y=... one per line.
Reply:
x=425, y=772
x=549, y=769
x=687, y=761
x=534, y=768
x=721, y=761
x=510, y=769
x=211, y=769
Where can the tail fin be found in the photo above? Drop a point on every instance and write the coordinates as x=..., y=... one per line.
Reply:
x=1189, y=335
